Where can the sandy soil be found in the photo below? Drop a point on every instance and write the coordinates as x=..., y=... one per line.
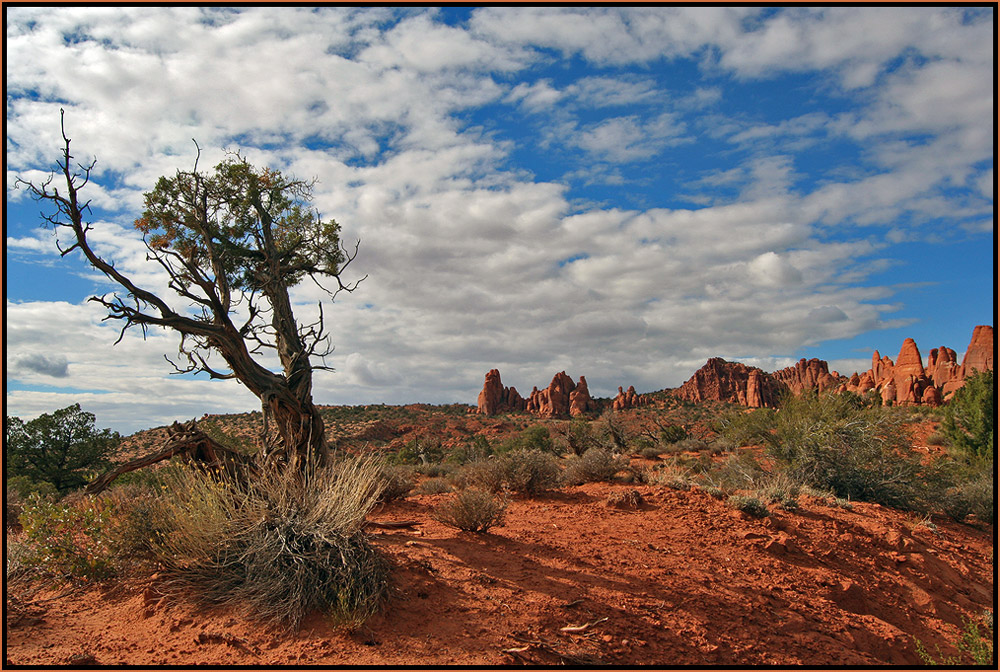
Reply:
x=681, y=580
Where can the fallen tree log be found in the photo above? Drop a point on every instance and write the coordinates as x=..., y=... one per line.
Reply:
x=185, y=440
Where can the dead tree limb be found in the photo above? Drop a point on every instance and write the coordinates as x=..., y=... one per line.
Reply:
x=186, y=440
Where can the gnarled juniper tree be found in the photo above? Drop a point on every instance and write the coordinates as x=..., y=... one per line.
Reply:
x=232, y=241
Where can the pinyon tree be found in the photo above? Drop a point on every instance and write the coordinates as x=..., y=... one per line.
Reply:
x=233, y=242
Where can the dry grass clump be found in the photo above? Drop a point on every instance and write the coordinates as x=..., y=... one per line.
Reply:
x=472, y=510
x=279, y=545
x=434, y=486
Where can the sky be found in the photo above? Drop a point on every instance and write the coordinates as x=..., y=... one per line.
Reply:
x=620, y=193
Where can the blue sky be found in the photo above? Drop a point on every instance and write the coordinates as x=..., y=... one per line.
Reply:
x=618, y=193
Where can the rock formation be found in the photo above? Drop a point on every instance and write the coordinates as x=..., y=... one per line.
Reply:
x=558, y=400
x=807, y=375
x=627, y=399
x=734, y=382
x=943, y=366
x=579, y=399
x=979, y=355
x=903, y=382
x=495, y=398
x=561, y=398
x=907, y=382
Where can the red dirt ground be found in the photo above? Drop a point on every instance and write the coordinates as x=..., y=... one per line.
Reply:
x=682, y=580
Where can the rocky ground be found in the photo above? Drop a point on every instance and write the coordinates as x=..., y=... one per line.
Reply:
x=682, y=579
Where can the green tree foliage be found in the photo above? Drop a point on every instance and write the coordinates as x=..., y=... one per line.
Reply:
x=62, y=448
x=970, y=417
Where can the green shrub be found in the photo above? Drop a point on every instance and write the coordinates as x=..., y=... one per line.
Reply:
x=19, y=489
x=597, y=464
x=417, y=451
x=974, y=493
x=970, y=416
x=746, y=428
x=834, y=442
x=749, y=505
x=779, y=488
x=472, y=510
x=278, y=546
x=738, y=472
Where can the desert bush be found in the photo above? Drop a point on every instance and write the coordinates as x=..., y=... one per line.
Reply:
x=746, y=428
x=19, y=489
x=417, y=451
x=749, y=505
x=472, y=510
x=530, y=471
x=721, y=445
x=69, y=540
x=738, y=472
x=690, y=444
x=479, y=448
x=597, y=464
x=435, y=469
x=434, y=486
x=973, y=493
x=651, y=452
x=613, y=433
x=536, y=437
x=672, y=434
x=485, y=474
x=835, y=442
x=970, y=417
x=279, y=545
x=580, y=436
x=397, y=482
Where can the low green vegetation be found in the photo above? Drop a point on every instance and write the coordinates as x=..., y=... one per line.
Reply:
x=970, y=416
x=975, y=645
